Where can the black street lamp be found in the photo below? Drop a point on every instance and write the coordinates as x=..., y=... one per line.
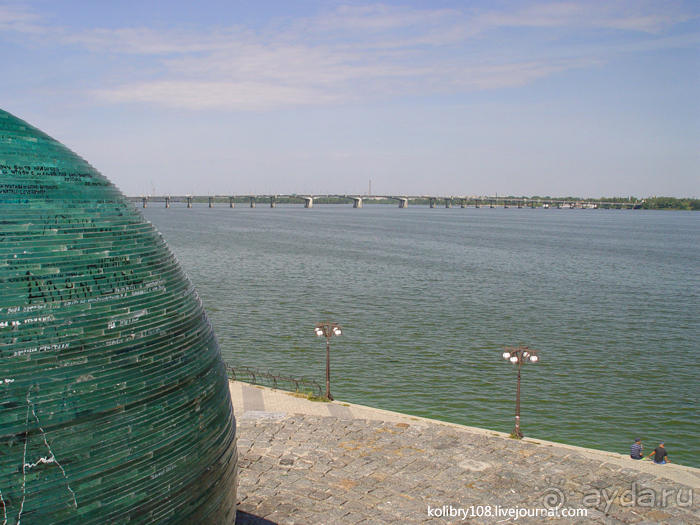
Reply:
x=328, y=330
x=518, y=356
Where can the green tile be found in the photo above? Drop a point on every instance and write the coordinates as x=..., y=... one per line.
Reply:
x=114, y=402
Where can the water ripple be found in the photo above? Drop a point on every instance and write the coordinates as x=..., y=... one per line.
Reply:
x=428, y=298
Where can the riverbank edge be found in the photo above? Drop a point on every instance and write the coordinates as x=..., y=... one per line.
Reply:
x=255, y=398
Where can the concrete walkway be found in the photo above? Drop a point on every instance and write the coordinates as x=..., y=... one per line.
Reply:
x=305, y=462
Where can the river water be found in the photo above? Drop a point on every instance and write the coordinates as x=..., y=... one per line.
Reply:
x=428, y=297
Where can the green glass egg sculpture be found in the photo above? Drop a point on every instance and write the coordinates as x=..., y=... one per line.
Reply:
x=114, y=400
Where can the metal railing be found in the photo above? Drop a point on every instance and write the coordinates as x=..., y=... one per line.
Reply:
x=268, y=379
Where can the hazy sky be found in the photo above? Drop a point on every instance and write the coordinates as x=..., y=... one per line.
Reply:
x=585, y=98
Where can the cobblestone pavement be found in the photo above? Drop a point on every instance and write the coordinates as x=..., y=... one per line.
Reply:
x=312, y=469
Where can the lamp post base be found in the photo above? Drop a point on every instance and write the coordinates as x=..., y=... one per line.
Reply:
x=517, y=433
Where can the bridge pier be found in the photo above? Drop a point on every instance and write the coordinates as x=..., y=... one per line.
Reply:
x=211, y=202
x=189, y=202
x=463, y=204
x=308, y=202
x=273, y=201
x=403, y=202
x=145, y=202
x=448, y=203
x=478, y=204
x=357, y=202
x=432, y=203
x=167, y=202
x=252, y=202
x=230, y=202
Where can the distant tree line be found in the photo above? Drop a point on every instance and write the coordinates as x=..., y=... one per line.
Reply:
x=670, y=203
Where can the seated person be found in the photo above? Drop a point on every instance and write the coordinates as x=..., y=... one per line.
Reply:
x=636, y=449
x=660, y=455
